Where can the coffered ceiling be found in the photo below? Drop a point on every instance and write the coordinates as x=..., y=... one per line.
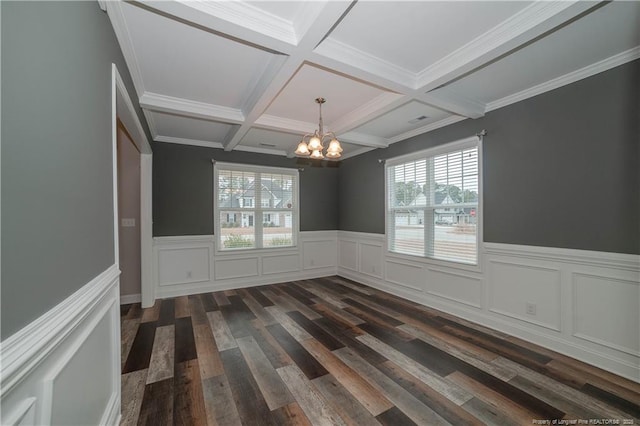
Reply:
x=243, y=75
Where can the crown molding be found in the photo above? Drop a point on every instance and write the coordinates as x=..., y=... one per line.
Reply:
x=532, y=21
x=116, y=16
x=163, y=103
x=342, y=52
x=183, y=141
x=103, y=5
x=588, y=71
x=428, y=128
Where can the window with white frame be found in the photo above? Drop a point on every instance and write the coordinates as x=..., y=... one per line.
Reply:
x=255, y=207
x=432, y=202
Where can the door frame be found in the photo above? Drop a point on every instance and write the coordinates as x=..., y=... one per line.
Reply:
x=123, y=108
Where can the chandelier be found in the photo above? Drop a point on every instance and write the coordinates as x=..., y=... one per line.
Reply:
x=312, y=145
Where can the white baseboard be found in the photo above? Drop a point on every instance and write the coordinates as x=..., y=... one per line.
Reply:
x=586, y=304
x=44, y=366
x=126, y=299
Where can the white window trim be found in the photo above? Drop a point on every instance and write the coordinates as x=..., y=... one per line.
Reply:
x=295, y=194
x=460, y=144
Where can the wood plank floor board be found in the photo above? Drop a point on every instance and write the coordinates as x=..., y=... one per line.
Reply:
x=370, y=397
x=313, y=404
x=223, y=337
x=198, y=314
x=275, y=393
x=290, y=415
x=188, y=399
x=208, y=356
x=151, y=314
x=128, y=330
x=317, y=332
x=331, y=351
x=446, y=408
x=249, y=401
x=277, y=356
x=208, y=302
x=257, y=309
x=219, y=404
x=302, y=359
x=185, y=346
x=350, y=409
x=162, y=355
x=394, y=417
x=407, y=403
x=260, y=298
x=131, y=397
x=140, y=352
x=182, y=307
x=166, y=314
x=157, y=404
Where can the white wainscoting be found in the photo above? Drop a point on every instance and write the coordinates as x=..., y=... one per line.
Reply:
x=581, y=303
x=69, y=355
x=189, y=264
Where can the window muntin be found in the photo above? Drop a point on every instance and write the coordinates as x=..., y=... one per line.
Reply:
x=432, y=203
x=255, y=207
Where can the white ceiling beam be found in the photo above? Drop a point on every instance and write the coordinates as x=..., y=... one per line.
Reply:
x=235, y=19
x=364, y=140
x=379, y=105
x=445, y=98
x=188, y=108
x=271, y=122
x=325, y=20
x=531, y=22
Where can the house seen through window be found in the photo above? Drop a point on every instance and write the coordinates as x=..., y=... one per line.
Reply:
x=432, y=203
x=255, y=207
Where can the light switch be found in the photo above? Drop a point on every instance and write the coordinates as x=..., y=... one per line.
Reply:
x=128, y=222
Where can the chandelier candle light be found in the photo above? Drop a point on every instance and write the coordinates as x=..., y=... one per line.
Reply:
x=313, y=145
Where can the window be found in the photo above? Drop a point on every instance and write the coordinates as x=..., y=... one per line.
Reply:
x=255, y=207
x=432, y=202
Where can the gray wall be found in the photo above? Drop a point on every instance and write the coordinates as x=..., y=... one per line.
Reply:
x=57, y=208
x=560, y=169
x=183, y=189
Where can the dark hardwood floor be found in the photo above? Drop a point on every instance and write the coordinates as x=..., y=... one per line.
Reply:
x=330, y=351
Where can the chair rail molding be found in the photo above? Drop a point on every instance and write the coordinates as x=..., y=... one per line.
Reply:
x=41, y=361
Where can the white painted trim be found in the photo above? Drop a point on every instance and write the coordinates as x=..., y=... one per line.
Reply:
x=146, y=231
x=127, y=299
x=346, y=54
x=260, y=150
x=428, y=128
x=189, y=108
x=118, y=22
x=25, y=349
x=364, y=140
x=356, y=152
x=272, y=122
x=558, y=335
x=114, y=160
x=629, y=262
x=525, y=25
x=572, y=77
x=129, y=116
x=194, y=142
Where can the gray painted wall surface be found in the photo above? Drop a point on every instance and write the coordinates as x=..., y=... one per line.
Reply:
x=560, y=169
x=183, y=189
x=57, y=208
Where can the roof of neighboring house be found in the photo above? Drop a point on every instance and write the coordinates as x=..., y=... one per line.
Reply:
x=270, y=189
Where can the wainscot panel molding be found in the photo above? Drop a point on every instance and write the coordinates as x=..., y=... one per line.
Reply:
x=69, y=354
x=186, y=265
x=581, y=303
